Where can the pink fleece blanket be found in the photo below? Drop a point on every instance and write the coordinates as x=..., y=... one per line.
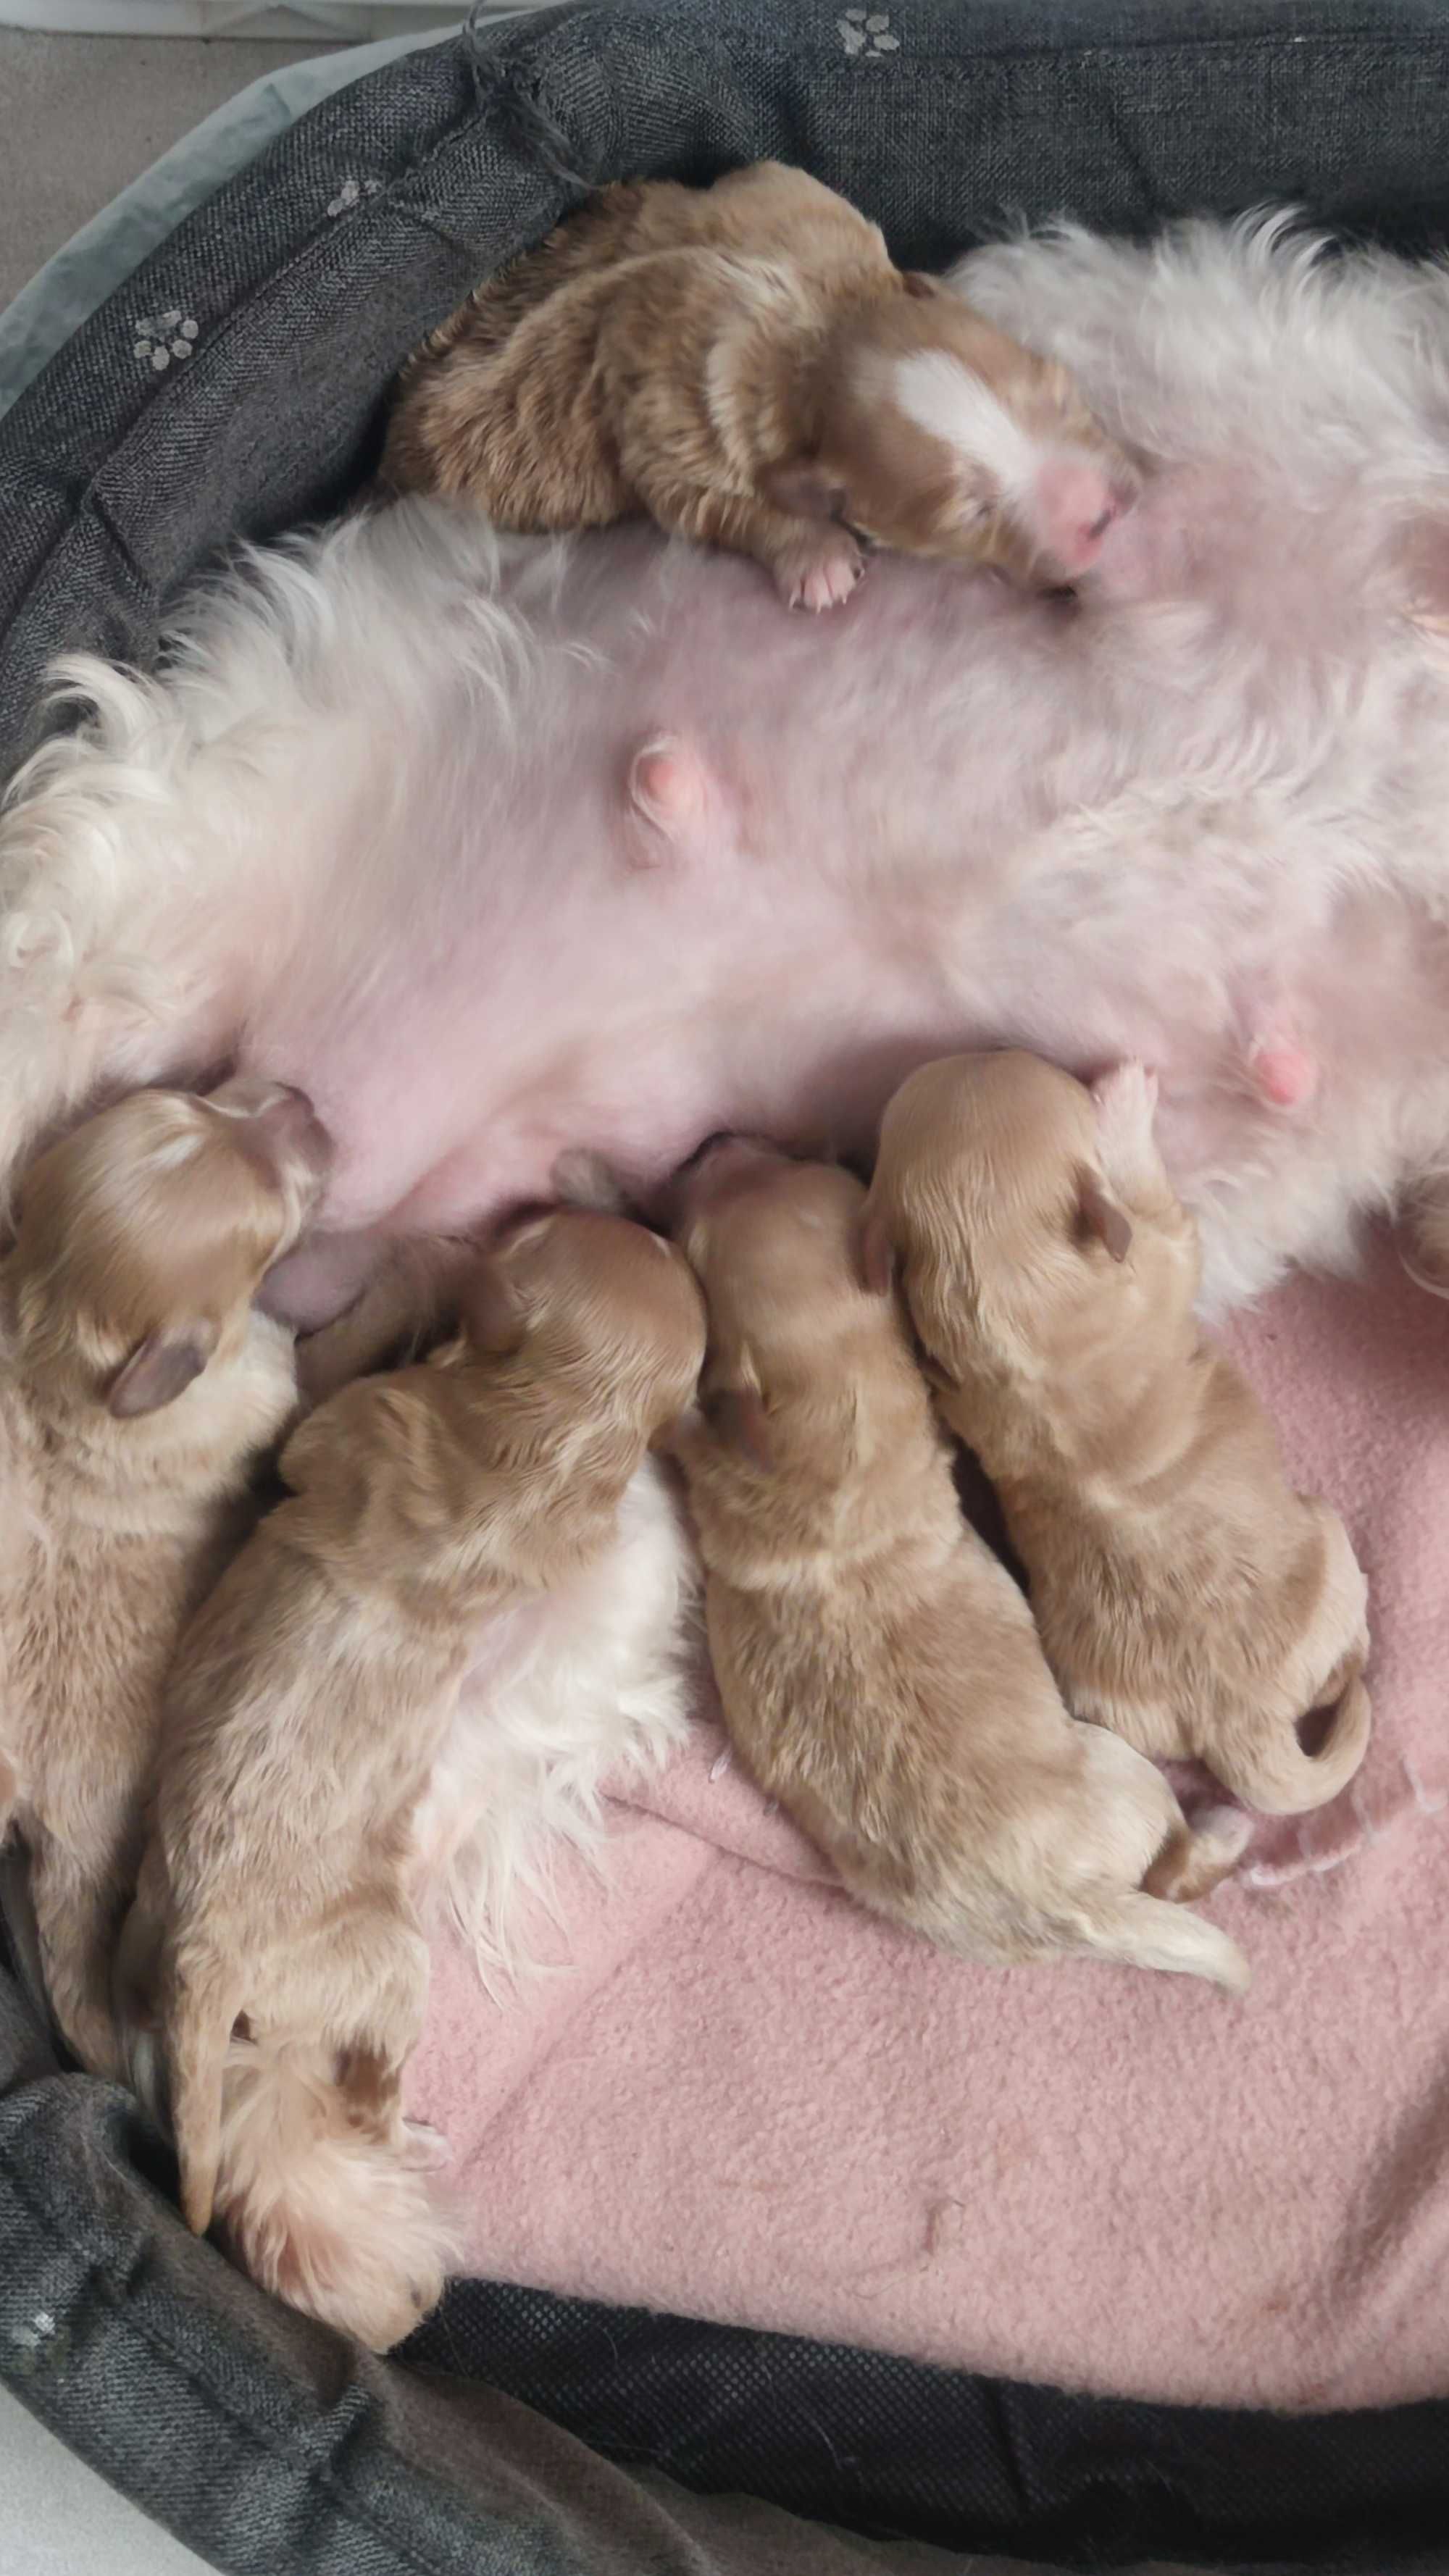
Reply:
x=744, y=2099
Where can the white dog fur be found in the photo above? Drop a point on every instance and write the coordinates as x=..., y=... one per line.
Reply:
x=377, y=830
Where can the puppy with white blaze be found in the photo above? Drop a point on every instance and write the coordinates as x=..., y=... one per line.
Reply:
x=502, y=848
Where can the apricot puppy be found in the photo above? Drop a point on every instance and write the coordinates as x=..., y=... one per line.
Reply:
x=744, y=364
x=1185, y=1595
x=431, y=1512
x=879, y=1670
x=139, y=1390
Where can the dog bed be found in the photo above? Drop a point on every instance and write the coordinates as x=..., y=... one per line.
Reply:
x=749, y=2098
x=524, y=2428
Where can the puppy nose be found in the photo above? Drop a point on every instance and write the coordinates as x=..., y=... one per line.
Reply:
x=280, y=1119
x=706, y=1146
x=1076, y=504
x=712, y=1171
x=252, y=1095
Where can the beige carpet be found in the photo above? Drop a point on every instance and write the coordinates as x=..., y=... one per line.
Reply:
x=81, y=116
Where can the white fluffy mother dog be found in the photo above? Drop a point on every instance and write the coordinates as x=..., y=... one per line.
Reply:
x=502, y=848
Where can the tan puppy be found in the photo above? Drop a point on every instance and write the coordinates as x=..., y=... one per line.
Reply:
x=1185, y=1595
x=878, y=1668
x=431, y=1512
x=138, y=1391
x=744, y=364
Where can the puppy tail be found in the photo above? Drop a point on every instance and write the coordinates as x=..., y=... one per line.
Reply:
x=1144, y=1931
x=1287, y=1770
x=321, y=2209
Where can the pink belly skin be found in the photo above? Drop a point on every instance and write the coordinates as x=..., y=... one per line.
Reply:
x=725, y=867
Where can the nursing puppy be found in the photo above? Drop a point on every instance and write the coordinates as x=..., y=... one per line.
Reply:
x=745, y=364
x=1185, y=1596
x=432, y=1512
x=139, y=1389
x=878, y=1668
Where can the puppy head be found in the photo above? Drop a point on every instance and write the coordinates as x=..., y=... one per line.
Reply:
x=776, y=1245
x=1017, y=1199
x=940, y=436
x=143, y=1237
x=578, y=1293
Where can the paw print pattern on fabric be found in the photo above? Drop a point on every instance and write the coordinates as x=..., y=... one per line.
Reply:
x=161, y=337
x=866, y=32
x=351, y=193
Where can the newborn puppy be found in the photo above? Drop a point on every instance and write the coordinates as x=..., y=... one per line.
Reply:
x=431, y=1513
x=1185, y=1596
x=879, y=1670
x=745, y=364
x=139, y=1389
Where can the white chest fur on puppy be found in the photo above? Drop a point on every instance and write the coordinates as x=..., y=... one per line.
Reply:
x=594, y=1685
x=384, y=824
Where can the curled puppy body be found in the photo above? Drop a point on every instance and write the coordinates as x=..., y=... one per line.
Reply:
x=745, y=364
x=139, y=1391
x=432, y=1513
x=600, y=1687
x=879, y=1670
x=1185, y=1596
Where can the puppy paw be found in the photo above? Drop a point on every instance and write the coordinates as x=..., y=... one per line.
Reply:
x=425, y=2149
x=1126, y=1104
x=1126, y=1097
x=820, y=572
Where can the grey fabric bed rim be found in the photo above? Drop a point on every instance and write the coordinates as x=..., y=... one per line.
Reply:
x=297, y=288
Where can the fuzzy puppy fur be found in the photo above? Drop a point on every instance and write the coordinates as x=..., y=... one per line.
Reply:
x=139, y=1390
x=1185, y=1596
x=276, y=1924
x=878, y=1668
x=745, y=364
x=599, y=1688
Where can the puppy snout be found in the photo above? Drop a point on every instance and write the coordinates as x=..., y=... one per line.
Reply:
x=278, y=1117
x=723, y=1160
x=707, y=1145
x=1076, y=502
x=252, y=1095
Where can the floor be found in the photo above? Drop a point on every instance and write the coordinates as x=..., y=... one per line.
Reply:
x=62, y=2520
x=81, y=116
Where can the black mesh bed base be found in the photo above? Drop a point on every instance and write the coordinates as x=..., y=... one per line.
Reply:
x=880, y=2445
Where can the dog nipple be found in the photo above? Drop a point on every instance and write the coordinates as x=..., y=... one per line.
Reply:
x=1285, y=1076
x=666, y=789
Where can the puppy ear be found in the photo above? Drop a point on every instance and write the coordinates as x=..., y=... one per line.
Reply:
x=490, y=1311
x=737, y=1418
x=159, y=1369
x=804, y=488
x=875, y=1256
x=1100, y=1218
x=916, y=281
